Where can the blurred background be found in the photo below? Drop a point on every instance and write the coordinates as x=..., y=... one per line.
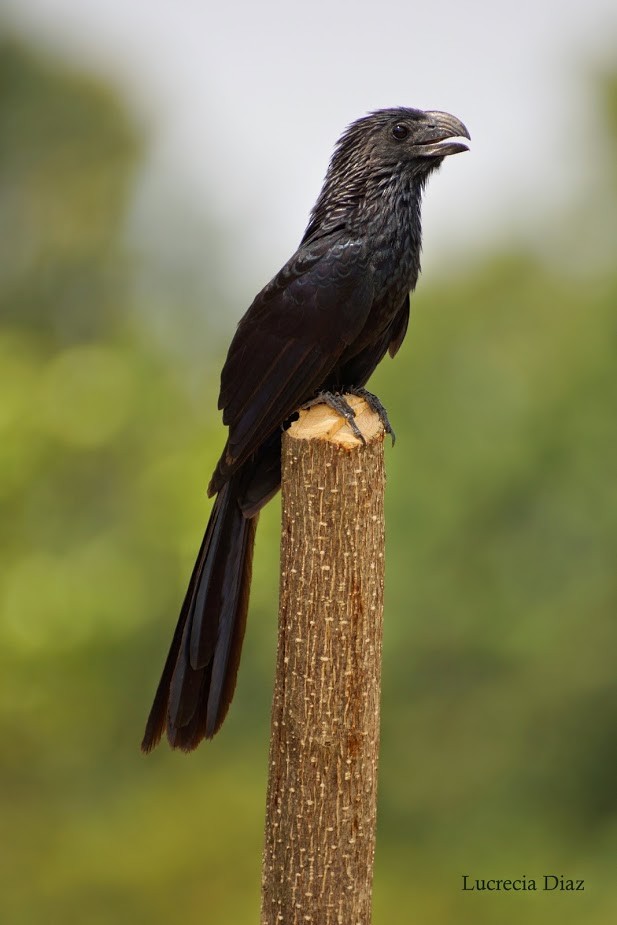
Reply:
x=157, y=165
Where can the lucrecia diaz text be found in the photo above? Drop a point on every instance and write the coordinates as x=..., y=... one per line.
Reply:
x=548, y=883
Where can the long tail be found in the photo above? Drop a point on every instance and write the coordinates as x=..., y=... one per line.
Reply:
x=199, y=676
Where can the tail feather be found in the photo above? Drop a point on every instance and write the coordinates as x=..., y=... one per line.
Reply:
x=231, y=636
x=199, y=676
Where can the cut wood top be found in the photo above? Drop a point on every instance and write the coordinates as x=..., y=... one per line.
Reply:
x=323, y=423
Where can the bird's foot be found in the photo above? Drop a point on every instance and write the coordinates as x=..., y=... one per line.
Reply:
x=337, y=402
x=376, y=406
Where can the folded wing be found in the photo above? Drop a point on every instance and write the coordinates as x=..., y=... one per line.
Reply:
x=289, y=342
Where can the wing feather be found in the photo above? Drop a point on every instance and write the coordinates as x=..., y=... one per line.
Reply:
x=290, y=340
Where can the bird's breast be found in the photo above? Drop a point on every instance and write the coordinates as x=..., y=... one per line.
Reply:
x=395, y=262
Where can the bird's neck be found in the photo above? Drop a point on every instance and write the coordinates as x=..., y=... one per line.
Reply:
x=384, y=210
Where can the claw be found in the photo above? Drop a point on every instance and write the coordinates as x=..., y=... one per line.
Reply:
x=376, y=406
x=342, y=407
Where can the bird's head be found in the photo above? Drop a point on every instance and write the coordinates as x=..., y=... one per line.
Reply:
x=407, y=140
x=381, y=154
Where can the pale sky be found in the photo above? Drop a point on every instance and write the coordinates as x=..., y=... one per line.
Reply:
x=243, y=101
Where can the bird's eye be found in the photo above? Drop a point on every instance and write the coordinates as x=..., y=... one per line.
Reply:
x=400, y=131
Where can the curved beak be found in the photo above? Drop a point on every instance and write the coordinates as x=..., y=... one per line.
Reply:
x=441, y=135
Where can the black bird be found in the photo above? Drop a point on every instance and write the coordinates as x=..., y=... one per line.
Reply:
x=322, y=324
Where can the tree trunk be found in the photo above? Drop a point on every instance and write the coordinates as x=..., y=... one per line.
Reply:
x=322, y=785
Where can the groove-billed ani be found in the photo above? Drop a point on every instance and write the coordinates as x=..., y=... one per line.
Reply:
x=323, y=323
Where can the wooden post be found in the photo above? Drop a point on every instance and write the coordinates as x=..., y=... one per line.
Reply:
x=322, y=782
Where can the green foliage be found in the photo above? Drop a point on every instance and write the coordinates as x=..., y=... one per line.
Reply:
x=500, y=700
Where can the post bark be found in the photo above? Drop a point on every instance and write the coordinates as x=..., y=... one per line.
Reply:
x=322, y=782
